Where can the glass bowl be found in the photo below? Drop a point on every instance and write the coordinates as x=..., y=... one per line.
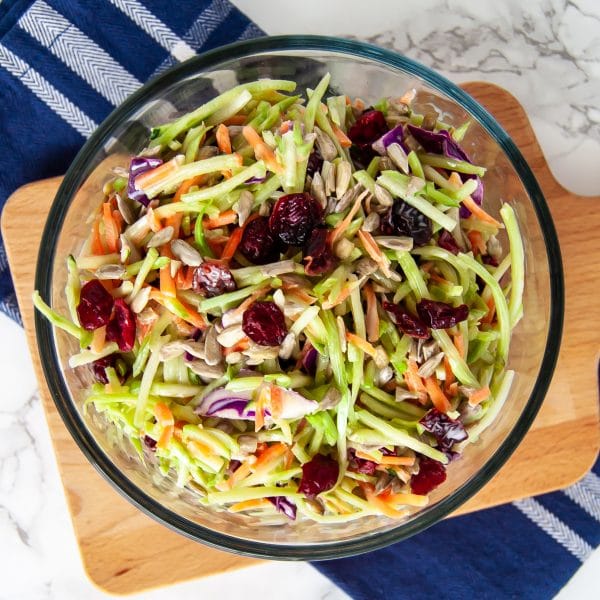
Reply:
x=356, y=69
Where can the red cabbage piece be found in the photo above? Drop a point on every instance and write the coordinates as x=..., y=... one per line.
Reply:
x=255, y=180
x=318, y=475
x=95, y=305
x=441, y=142
x=139, y=165
x=309, y=361
x=441, y=315
x=225, y=404
x=393, y=136
x=446, y=241
x=283, y=505
x=446, y=431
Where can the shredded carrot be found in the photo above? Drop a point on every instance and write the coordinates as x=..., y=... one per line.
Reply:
x=489, y=316
x=187, y=184
x=372, y=317
x=380, y=503
x=289, y=459
x=174, y=221
x=261, y=402
x=407, y=499
x=366, y=456
x=240, y=473
x=478, y=396
x=413, y=379
x=439, y=399
x=167, y=283
x=358, y=103
x=373, y=250
x=460, y=344
x=343, y=224
x=198, y=449
x=343, y=139
x=249, y=504
x=478, y=212
x=232, y=244
x=225, y=218
x=285, y=127
x=98, y=339
x=118, y=220
x=111, y=233
x=269, y=456
x=154, y=176
x=235, y=120
x=453, y=389
x=261, y=150
x=243, y=344
x=450, y=379
x=175, y=305
x=165, y=419
x=153, y=220
x=360, y=343
x=96, y=245
x=477, y=243
x=405, y=461
x=223, y=139
x=438, y=278
x=343, y=294
x=276, y=403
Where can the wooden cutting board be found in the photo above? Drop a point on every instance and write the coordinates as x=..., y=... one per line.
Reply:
x=124, y=551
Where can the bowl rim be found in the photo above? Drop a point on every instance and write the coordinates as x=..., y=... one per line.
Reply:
x=75, y=424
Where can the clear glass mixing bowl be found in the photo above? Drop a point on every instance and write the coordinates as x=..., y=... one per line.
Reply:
x=356, y=69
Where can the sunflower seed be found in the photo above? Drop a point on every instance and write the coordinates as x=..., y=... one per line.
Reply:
x=317, y=189
x=231, y=317
x=344, y=248
x=207, y=152
x=398, y=156
x=186, y=253
x=331, y=399
x=204, y=371
x=171, y=350
x=287, y=346
x=386, y=164
x=325, y=145
x=415, y=185
x=371, y=222
x=212, y=350
x=279, y=298
x=399, y=243
x=343, y=176
x=341, y=328
x=140, y=300
x=264, y=210
x=429, y=349
x=366, y=267
x=331, y=204
x=258, y=354
x=385, y=375
x=151, y=151
x=428, y=368
x=494, y=247
x=347, y=198
x=247, y=444
x=402, y=394
x=231, y=336
x=235, y=130
x=328, y=174
x=383, y=481
x=243, y=207
x=233, y=358
x=164, y=236
x=381, y=359
x=125, y=209
x=383, y=196
x=413, y=350
x=110, y=272
x=174, y=266
x=430, y=119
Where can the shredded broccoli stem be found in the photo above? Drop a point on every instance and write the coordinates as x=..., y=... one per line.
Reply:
x=517, y=263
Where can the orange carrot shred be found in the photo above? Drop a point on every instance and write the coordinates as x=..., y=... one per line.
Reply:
x=460, y=345
x=479, y=212
x=360, y=343
x=167, y=283
x=478, y=396
x=343, y=224
x=225, y=218
x=477, y=243
x=96, y=245
x=439, y=399
x=223, y=139
x=344, y=140
x=412, y=378
x=111, y=234
x=372, y=317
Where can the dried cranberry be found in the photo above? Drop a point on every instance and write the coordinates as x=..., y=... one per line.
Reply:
x=318, y=256
x=150, y=443
x=99, y=368
x=318, y=475
x=407, y=323
x=121, y=327
x=258, y=244
x=293, y=218
x=95, y=305
x=369, y=127
x=212, y=278
x=360, y=465
x=431, y=474
x=404, y=219
x=447, y=242
x=488, y=259
x=315, y=162
x=440, y=315
x=446, y=431
x=264, y=323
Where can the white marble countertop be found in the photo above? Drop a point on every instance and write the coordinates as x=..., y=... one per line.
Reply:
x=547, y=54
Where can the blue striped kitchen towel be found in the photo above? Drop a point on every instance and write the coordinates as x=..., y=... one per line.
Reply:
x=66, y=64
x=527, y=550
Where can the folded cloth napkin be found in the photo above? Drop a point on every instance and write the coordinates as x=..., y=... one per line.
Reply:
x=64, y=65
x=527, y=549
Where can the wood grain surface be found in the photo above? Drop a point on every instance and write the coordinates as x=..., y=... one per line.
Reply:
x=124, y=551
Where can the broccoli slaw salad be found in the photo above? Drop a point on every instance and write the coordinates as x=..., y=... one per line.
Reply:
x=297, y=303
